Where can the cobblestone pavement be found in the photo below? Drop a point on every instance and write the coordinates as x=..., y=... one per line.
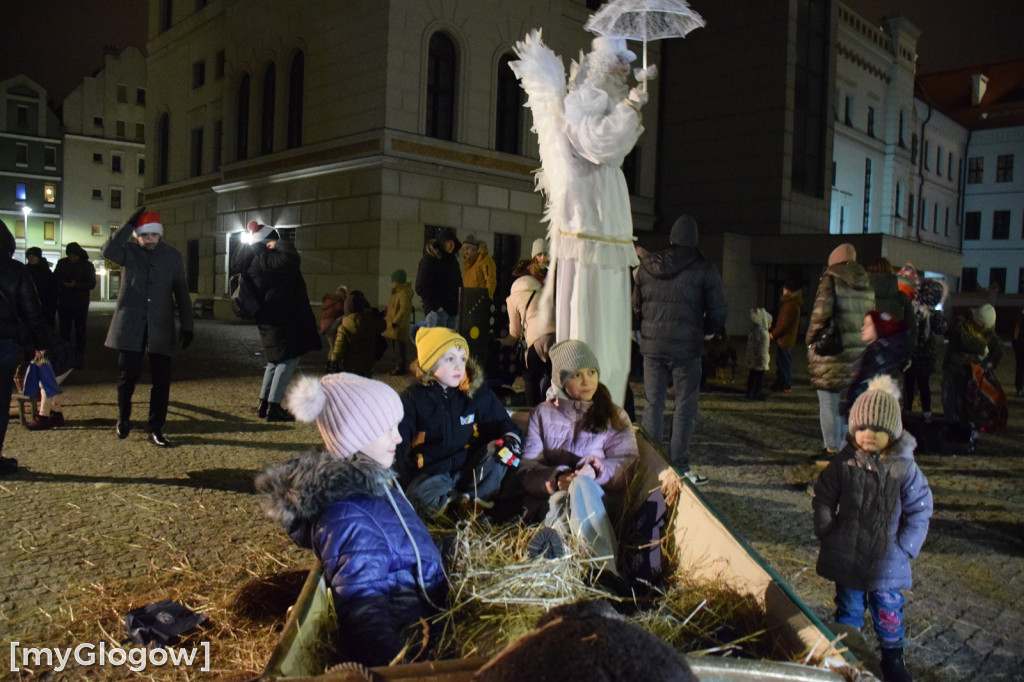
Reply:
x=87, y=508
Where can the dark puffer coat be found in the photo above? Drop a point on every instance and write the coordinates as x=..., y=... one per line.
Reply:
x=22, y=302
x=288, y=327
x=887, y=355
x=442, y=426
x=930, y=323
x=678, y=299
x=856, y=299
x=439, y=277
x=351, y=513
x=871, y=515
x=969, y=344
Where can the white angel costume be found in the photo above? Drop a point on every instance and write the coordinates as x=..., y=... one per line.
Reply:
x=585, y=131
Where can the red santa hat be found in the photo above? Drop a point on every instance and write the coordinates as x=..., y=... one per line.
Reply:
x=149, y=223
x=259, y=232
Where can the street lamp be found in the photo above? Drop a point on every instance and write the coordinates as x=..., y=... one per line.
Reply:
x=25, y=210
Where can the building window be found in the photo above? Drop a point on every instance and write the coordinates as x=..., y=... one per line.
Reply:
x=949, y=165
x=899, y=199
x=166, y=15
x=871, y=121
x=1004, y=168
x=508, y=126
x=969, y=279
x=927, y=154
x=119, y=129
x=267, y=110
x=116, y=162
x=97, y=230
x=140, y=164
x=913, y=149
x=972, y=225
x=140, y=132
x=1000, y=225
x=975, y=170
x=218, y=145
x=848, y=111
x=219, y=64
x=946, y=228
x=115, y=197
x=296, y=94
x=97, y=194
x=911, y=211
x=924, y=214
x=200, y=4
x=902, y=127
x=50, y=157
x=122, y=94
x=97, y=157
x=935, y=218
x=19, y=229
x=442, y=76
x=242, y=120
x=49, y=194
x=22, y=115
x=19, y=191
x=50, y=232
x=140, y=97
x=97, y=121
x=163, y=149
x=197, y=151
x=997, y=279
x=810, y=97
x=198, y=74
x=938, y=161
x=867, y=196
x=21, y=154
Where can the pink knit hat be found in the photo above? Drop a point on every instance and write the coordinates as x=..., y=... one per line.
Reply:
x=349, y=410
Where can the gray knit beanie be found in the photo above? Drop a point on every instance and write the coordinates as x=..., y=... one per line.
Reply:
x=684, y=231
x=878, y=408
x=567, y=358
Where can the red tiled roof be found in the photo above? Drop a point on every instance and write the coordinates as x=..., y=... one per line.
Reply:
x=1002, y=105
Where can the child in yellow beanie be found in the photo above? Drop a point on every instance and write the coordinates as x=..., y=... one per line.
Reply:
x=452, y=430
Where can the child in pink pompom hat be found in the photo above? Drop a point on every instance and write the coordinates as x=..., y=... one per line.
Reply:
x=343, y=502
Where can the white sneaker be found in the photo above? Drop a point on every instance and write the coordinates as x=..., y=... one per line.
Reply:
x=695, y=478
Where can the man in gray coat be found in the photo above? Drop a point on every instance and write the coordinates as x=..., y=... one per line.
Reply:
x=153, y=284
x=678, y=301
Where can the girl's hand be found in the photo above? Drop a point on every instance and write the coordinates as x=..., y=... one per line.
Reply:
x=589, y=466
x=563, y=479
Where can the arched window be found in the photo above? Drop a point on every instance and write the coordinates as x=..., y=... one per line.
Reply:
x=295, y=96
x=508, y=125
x=163, y=149
x=242, y=120
x=267, y=110
x=442, y=73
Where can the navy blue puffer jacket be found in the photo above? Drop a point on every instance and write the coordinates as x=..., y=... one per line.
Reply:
x=382, y=566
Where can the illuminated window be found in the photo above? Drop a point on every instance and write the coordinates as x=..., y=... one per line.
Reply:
x=19, y=191
x=97, y=230
x=19, y=229
x=50, y=194
x=49, y=231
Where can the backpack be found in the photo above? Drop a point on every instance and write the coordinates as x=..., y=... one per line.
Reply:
x=245, y=301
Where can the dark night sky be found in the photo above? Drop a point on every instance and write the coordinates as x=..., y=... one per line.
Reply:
x=59, y=42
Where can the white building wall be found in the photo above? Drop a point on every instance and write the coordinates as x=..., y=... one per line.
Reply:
x=990, y=196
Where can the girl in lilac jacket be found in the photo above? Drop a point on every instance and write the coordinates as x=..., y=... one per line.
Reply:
x=579, y=455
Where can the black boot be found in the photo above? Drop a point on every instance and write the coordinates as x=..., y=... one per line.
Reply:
x=276, y=413
x=261, y=410
x=893, y=668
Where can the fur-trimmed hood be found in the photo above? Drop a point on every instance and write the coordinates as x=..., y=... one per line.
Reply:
x=297, y=492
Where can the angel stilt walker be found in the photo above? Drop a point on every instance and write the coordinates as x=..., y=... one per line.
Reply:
x=585, y=129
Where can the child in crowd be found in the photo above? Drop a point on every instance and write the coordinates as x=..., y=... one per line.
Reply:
x=758, y=351
x=383, y=568
x=332, y=309
x=451, y=428
x=928, y=298
x=784, y=333
x=871, y=509
x=972, y=341
x=579, y=455
x=354, y=347
x=887, y=352
x=398, y=319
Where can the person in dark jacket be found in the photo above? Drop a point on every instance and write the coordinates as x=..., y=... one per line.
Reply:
x=972, y=341
x=153, y=288
x=871, y=509
x=678, y=301
x=287, y=325
x=46, y=283
x=343, y=502
x=784, y=332
x=887, y=352
x=450, y=429
x=439, y=279
x=928, y=298
x=76, y=277
x=829, y=374
x=355, y=345
x=19, y=312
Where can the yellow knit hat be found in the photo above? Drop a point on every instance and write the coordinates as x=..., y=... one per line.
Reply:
x=432, y=342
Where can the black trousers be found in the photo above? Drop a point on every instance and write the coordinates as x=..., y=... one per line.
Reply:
x=129, y=369
x=74, y=316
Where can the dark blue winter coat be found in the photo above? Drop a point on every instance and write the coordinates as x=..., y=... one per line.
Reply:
x=887, y=355
x=871, y=515
x=442, y=427
x=351, y=513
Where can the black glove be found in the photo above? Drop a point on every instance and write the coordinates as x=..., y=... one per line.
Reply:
x=186, y=336
x=135, y=217
x=333, y=366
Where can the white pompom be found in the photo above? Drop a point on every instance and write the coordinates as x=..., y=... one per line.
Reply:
x=884, y=382
x=306, y=399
